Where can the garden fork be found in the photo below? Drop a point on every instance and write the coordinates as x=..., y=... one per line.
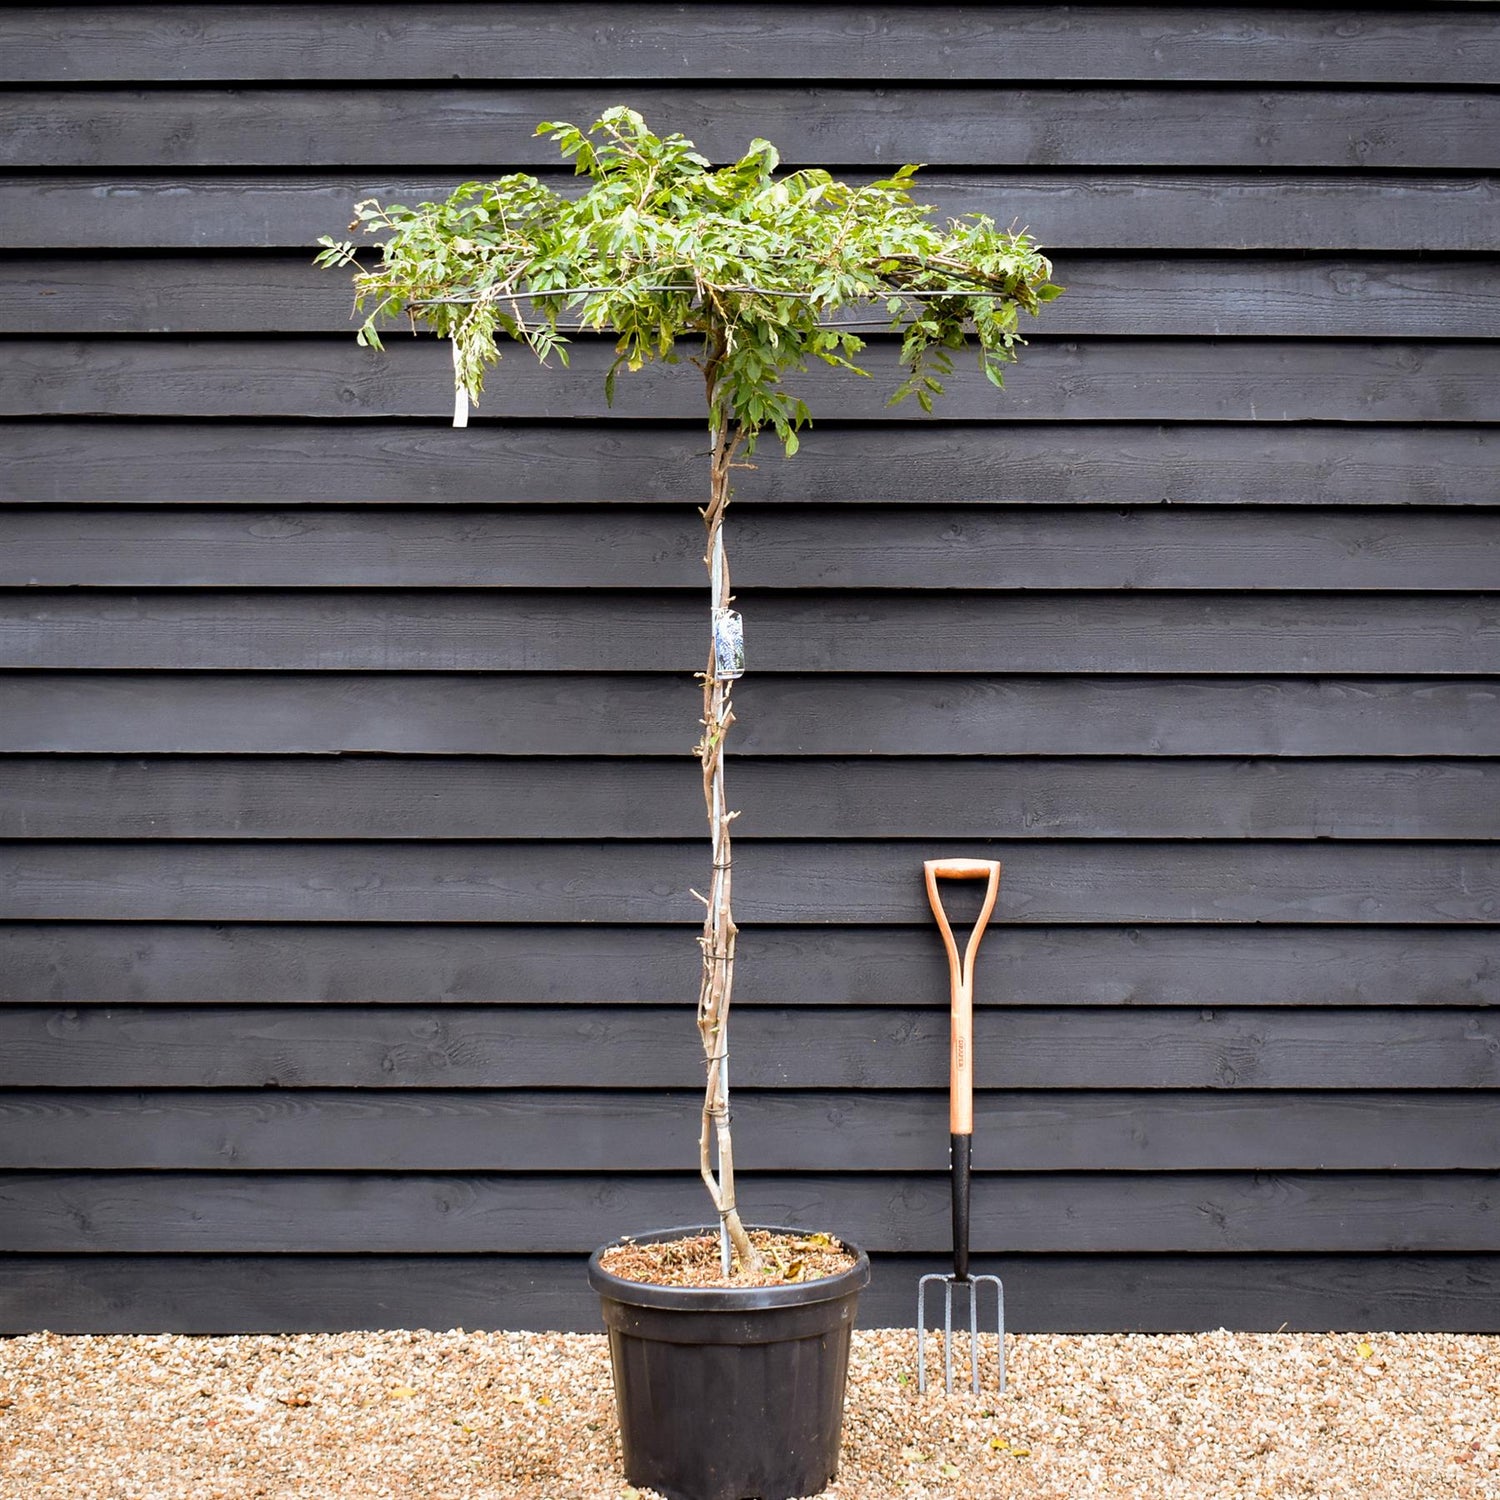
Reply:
x=960, y=1126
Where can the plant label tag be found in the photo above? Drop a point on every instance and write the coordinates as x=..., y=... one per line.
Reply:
x=729, y=644
x=460, y=391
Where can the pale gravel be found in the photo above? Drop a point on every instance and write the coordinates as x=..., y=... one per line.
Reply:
x=523, y=1416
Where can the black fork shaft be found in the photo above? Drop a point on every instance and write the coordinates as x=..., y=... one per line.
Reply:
x=960, y=1155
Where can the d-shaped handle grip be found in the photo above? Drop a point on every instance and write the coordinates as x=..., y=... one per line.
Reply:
x=961, y=869
x=961, y=980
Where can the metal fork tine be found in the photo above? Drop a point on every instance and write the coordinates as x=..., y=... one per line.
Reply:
x=948, y=1335
x=973, y=1291
x=1000, y=1329
x=999, y=1323
x=922, y=1328
x=971, y=1284
x=921, y=1335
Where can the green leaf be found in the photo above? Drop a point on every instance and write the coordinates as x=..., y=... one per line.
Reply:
x=663, y=247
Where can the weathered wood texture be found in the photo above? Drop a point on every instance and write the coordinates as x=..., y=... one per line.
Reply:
x=149, y=963
x=526, y=630
x=1270, y=380
x=283, y=797
x=346, y=947
x=382, y=1212
x=603, y=1130
x=391, y=463
x=1107, y=209
x=1351, y=296
x=1439, y=44
x=808, y=1046
x=814, y=882
x=594, y=714
x=929, y=547
x=982, y=126
x=112, y=1293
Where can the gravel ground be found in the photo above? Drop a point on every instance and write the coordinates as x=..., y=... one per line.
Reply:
x=529, y=1417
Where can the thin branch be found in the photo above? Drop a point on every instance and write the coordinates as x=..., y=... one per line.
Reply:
x=920, y=294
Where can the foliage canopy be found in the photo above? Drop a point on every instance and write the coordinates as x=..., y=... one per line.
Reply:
x=663, y=247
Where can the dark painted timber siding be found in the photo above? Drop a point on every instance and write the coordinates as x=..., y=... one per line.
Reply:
x=348, y=820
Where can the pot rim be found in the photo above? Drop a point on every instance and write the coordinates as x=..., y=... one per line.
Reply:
x=737, y=1299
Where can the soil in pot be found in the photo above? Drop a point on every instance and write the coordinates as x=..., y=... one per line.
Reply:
x=693, y=1260
x=729, y=1392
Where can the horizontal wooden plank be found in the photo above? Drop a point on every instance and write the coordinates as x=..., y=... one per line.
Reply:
x=399, y=463
x=1058, y=381
x=868, y=1130
x=422, y=713
x=1101, y=209
x=1227, y=211
x=70, y=963
x=775, y=881
x=525, y=630
x=437, y=798
x=209, y=1294
x=904, y=547
x=654, y=41
x=1290, y=296
x=215, y=1212
x=1036, y=125
x=801, y=1047
x=1297, y=297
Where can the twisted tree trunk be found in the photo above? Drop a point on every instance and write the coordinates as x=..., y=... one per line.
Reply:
x=718, y=922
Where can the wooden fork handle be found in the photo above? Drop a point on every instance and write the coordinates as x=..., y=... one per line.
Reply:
x=961, y=981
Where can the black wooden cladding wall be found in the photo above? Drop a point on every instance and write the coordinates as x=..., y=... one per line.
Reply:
x=348, y=958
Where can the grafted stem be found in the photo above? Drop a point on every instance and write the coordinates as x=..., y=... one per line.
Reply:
x=719, y=930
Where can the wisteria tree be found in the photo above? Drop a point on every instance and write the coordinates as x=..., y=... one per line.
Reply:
x=750, y=275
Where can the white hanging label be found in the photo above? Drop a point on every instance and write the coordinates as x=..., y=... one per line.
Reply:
x=460, y=395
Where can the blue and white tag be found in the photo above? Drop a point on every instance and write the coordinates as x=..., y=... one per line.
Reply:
x=729, y=645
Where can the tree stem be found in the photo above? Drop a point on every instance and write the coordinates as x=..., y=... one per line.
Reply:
x=719, y=930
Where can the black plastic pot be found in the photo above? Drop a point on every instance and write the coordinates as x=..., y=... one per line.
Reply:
x=726, y=1393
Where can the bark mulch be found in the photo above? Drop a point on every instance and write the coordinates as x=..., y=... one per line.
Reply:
x=694, y=1260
